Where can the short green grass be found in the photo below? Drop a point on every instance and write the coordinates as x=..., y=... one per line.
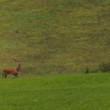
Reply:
x=61, y=92
x=54, y=36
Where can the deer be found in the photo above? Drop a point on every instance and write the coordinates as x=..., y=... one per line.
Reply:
x=13, y=71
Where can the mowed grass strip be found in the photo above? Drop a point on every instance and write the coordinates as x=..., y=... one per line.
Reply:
x=62, y=92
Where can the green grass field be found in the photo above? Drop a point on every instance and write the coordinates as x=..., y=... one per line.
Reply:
x=54, y=36
x=61, y=92
x=54, y=39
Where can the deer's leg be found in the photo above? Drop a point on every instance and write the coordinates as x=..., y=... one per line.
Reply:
x=16, y=75
x=5, y=75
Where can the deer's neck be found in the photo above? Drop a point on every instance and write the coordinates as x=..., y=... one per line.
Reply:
x=18, y=67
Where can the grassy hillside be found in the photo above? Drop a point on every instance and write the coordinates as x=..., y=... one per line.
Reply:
x=61, y=92
x=54, y=36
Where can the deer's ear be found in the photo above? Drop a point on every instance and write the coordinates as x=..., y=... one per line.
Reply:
x=15, y=59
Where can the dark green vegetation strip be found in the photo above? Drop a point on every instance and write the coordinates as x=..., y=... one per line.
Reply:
x=54, y=36
x=61, y=92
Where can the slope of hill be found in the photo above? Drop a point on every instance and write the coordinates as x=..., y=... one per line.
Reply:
x=54, y=36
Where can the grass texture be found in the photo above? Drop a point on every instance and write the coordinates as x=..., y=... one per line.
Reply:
x=54, y=36
x=61, y=92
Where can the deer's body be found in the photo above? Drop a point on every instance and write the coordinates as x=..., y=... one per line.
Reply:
x=13, y=71
x=10, y=70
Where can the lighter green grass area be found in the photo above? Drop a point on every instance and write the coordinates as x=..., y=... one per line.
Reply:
x=4, y=44
x=61, y=92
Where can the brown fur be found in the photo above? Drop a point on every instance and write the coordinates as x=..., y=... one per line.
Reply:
x=13, y=71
